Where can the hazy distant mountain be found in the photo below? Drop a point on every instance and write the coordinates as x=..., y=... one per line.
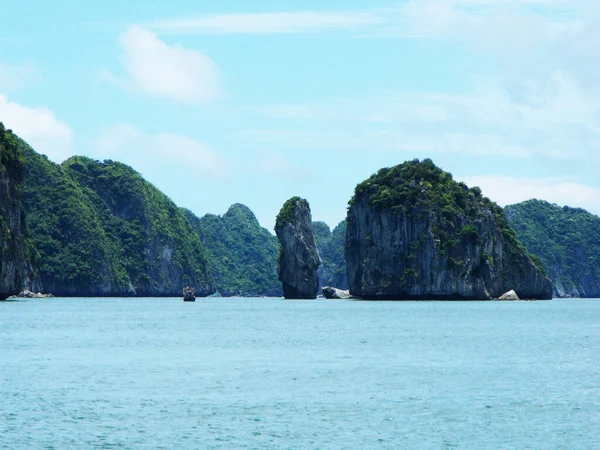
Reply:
x=567, y=241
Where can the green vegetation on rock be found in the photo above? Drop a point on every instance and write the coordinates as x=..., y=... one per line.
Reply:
x=332, y=271
x=299, y=259
x=99, y=228
x=414, y=232
x=13, y=267
x=287, y=212
x=242, y=254
x=419, y=187
x=566, y=240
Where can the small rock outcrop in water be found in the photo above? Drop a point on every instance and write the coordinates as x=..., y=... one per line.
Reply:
x=298, y=258
x=29, y=294
x=510, y=295
x=331, y=292
x=13, y=266
x=415, y=233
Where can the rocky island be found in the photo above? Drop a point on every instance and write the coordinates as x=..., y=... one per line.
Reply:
x=567, y=242
x=13, y=265
x=415, y=233
x=299, y=259
x=100, y=229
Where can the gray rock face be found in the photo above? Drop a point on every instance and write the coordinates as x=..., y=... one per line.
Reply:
x=331, y=292
x=299, y=258
x=412, y=250
x=510, y=295
x=332, y=271
x=28, y=294
x=14, y=270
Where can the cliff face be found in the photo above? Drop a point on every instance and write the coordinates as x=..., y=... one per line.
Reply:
x=299, y=258
x=414, y=233
x=163, y=253
x=242, y=254
x=332, y=271
x=566, y=241
x=13, y=266
x=100, y=229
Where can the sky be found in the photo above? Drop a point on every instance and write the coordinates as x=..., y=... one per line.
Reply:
x=254, y=102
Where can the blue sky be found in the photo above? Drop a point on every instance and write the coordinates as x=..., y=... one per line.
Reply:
x=254, y=102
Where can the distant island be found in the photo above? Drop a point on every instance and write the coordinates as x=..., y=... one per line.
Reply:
x=91, y=228
x=567, y=242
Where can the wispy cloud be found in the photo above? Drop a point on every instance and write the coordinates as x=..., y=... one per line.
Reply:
x=166, y=71
x=166, y=155
x=18, y=76
x=510, y=190
x=268, y=23
x=412, y=18
x=558, y=119
x=39, y=126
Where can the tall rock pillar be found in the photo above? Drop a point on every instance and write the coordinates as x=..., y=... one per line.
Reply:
x=298, y=257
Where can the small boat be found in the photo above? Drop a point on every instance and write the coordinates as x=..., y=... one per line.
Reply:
x=189, y=295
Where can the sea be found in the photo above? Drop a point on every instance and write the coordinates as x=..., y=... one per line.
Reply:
x=266, y=373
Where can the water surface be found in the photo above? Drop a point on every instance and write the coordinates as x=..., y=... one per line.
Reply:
x=269, y=373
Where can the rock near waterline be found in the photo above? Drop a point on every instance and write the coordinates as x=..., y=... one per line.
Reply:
x=14, y=270
x=335, y=293
x=415, y=233
x=298, y=259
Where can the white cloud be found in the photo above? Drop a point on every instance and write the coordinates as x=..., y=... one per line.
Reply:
x=557, y=120
x=165, y=155
x=39, y=127
x=529, y=40
x=509, y=190
x=489, y=23
x=492, y=22
x=269, y=23
x=167, y=71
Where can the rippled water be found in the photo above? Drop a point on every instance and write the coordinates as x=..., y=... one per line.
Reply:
x=269, y=373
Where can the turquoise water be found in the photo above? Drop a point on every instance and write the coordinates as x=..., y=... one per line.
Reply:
x=269, y=373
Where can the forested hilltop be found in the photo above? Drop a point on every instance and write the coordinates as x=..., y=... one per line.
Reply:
x=92, y=228
x=242, y=254
x=567, y=241
x=98, y=228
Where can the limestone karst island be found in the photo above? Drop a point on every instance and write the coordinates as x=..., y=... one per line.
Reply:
x=91, y=228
